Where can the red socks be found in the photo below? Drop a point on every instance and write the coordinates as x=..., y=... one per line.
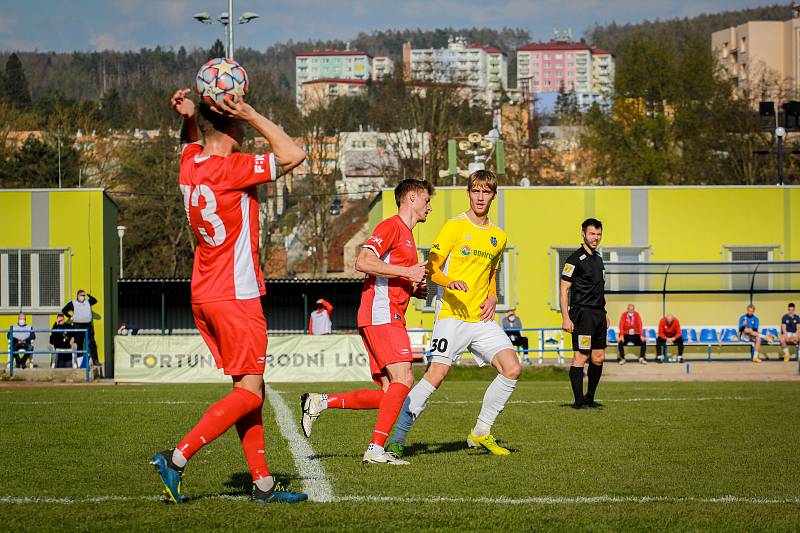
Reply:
x=388, y=412
x=219, y=418
x=251, y=432
x=360, y=399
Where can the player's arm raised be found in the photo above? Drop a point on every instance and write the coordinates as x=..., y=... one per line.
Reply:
x=185, y=108
x=435, y=263
x=369, y=263
x=287, y=154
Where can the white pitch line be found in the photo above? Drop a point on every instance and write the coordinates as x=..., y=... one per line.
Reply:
x=315, y=482
x=532, y=500
x=622, y=400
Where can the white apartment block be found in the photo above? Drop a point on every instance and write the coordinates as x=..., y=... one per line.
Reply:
x=330, y=64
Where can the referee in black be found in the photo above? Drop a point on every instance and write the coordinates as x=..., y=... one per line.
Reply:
x=583, y=312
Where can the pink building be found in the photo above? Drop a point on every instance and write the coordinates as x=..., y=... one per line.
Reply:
x=546, y=67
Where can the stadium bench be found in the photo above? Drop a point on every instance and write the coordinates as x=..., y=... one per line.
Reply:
x=612, y=336
x=689, y=335
x=709, y=335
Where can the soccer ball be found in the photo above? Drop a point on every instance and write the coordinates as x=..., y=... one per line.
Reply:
x=221, y=78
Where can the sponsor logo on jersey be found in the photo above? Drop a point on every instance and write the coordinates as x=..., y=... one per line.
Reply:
x=584, y=342
x=258, y=164
x=408, y=243
x=466, y=250
x=397, y=317
x=376, y=240
x=569, y=269
x=493, y=240
x=485, y=255
x=582, y=257
x=435, y=246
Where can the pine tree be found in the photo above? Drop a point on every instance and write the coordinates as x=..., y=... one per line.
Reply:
x=217, y=50
x=15, y=84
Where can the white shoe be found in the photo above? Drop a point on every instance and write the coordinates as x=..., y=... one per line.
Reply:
x=642, y=361
x=310, y=403
x=621, y=361
x=384, y=458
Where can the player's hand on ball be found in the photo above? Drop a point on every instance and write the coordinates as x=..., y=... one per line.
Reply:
x=181, y=104
x=458, y=285
x=418, y=272
x=567, y=325
x=237, y=109
x=487, y=309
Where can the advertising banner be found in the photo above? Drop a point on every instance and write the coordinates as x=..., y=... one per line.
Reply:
x=291, y=358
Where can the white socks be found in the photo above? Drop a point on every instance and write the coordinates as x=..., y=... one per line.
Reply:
x=323, y=403
x=265, y=483
x=178, y=459
x=418, y=397
x=497, y=394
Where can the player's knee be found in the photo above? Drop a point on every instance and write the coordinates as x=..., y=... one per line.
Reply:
x=513, y=371
x=598, y=359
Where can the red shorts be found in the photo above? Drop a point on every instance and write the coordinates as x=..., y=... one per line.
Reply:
x=236, y=333
x=386, y=344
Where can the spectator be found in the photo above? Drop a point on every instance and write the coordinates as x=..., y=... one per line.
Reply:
x=748, y=332
x=123, y=329
x=21, y=336
x=80, y=311
x=63, y=342
x=319, y=323
x=669, y=332
x=789, y=333
x=512, y=325
x=630, y=332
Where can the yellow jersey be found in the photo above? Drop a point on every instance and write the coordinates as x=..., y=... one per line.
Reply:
x=471, y=253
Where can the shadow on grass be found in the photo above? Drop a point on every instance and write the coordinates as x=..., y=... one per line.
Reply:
x=446, y=447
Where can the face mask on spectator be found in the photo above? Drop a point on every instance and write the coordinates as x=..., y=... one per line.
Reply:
x=81, y=298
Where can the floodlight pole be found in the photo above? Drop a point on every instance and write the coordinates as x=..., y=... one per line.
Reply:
x=229, y=27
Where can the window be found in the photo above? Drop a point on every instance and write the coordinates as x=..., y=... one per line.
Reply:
x=547, y=56
x=32, y=279
x=505, y=283
x=738, y=254
x=559, y=56
x=610, y=254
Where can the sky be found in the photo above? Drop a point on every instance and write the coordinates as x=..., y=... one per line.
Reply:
x=87, y=25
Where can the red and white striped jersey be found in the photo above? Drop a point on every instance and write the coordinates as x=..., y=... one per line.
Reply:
x=385, y=300
x=219, y=195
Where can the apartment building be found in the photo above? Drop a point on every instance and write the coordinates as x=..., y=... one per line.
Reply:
x=575, y=66
x=330, y=64
x=319, y=93
x=759, y=51
x=382, y=67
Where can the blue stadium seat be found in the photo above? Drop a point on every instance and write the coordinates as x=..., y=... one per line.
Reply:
x=650, y=335
x=689, y=334
x=709, y=335
x=612, y=336
x=770, y=331
x=730, y=335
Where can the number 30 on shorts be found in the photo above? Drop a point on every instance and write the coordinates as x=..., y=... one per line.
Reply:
x=439, y=345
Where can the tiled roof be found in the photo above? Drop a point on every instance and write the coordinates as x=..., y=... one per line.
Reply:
x=333, y=53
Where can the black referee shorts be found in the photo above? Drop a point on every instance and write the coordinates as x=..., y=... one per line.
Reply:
x=591, y=330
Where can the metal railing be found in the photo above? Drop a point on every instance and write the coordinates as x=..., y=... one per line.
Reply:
x=85, y=352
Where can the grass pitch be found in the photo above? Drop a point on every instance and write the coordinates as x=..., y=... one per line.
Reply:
x=674, y=456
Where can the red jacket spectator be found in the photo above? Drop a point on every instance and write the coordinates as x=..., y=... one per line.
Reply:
x=669, y=331
x=630, y=323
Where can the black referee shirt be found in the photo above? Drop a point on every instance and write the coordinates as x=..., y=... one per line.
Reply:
x=586, y=272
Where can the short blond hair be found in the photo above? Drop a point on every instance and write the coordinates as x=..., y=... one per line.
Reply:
x=486, y=177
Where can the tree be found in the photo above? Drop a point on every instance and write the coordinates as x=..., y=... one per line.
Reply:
x=36, y=163
x=113, y=110
x=16, y=84
x=217, y=50
x=566, y=107
x=152, y=209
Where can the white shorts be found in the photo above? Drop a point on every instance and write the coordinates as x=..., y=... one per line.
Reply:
x=451, y=337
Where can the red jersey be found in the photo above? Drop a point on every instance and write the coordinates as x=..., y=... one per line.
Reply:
x=668, y=331
x=385, y=300
x=219, y=195
x=630, y=324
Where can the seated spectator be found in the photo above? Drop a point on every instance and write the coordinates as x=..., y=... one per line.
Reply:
x=789, y=333
x=21, y=336
x=513, y=328
x=748, y=332
x=630, y=332
x=319, y=323
x=669, y=332
x=123, y=329
x=63, y=342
